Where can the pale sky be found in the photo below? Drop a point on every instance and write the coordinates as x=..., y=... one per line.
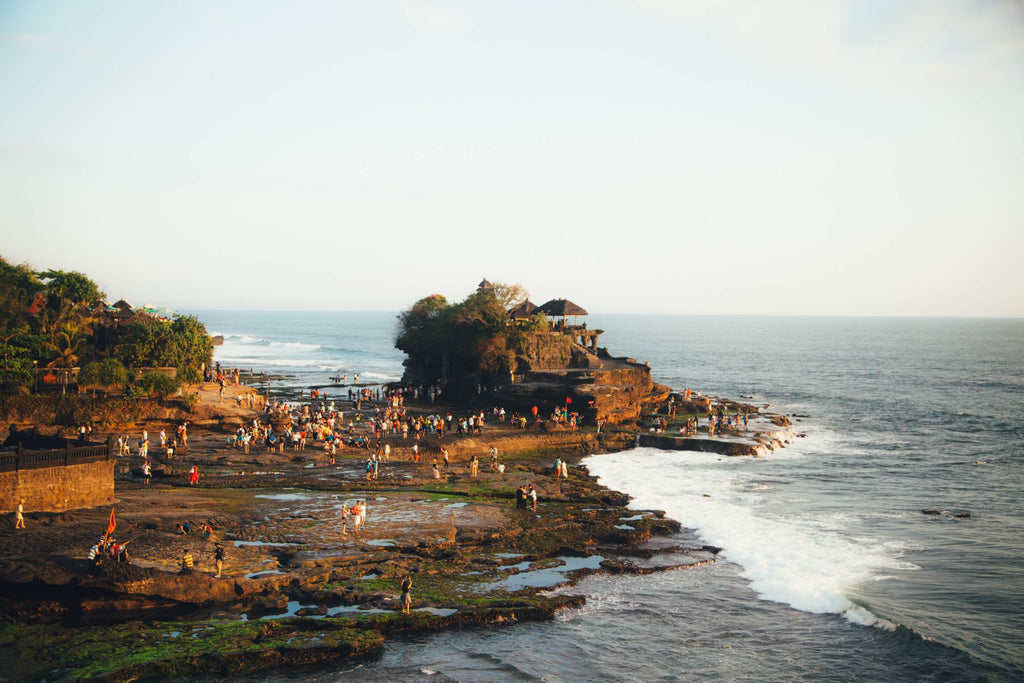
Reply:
x=822, y=157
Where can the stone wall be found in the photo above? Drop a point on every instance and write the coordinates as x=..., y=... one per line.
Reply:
x=55, y=489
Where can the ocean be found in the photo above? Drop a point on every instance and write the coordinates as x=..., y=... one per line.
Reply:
x=884, y=546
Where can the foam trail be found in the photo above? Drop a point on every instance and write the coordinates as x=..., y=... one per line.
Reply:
x=806, y=562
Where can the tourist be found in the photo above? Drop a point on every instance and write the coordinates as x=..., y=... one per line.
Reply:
x=357, y=518
x=444, y=456
x=146, y=471
x=437, y=472
x=406, y=598
x=187, y=563
x=533, y=497
x=521, y=497
x=19, y=516
x=474, y=466
x=193, y=477
x=218, y=556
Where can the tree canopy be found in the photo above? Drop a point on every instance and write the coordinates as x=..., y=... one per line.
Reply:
x=462, y=344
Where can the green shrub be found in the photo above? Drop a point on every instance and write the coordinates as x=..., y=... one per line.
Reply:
x=158, y=384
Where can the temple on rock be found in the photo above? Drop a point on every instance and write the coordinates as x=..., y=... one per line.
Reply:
x=547, y=356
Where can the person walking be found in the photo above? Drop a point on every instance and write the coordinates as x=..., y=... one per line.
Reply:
x=19, y=517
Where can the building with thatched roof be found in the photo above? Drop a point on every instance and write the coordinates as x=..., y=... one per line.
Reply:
x=561, y=308
x=523, y=311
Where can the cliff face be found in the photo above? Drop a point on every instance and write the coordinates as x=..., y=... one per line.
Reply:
x=542, y=351
x=545, y=368
x=551, y=367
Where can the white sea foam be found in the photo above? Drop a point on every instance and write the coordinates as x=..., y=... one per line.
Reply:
x=809, y=562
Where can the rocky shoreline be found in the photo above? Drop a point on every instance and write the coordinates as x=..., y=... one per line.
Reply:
x=296, y=591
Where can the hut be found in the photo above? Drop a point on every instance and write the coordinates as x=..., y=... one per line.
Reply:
x=562, y=308
x=523, y=311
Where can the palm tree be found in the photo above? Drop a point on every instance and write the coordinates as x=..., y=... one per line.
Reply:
x=68, y=341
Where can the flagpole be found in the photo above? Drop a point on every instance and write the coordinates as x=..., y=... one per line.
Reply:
x=111, y=525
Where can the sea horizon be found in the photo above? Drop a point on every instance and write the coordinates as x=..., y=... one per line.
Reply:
x=826, y=316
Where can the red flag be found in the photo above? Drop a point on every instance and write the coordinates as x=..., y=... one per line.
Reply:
x=112, y=524
x=568, y=400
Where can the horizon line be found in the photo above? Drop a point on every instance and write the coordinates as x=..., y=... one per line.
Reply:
x=694, y=315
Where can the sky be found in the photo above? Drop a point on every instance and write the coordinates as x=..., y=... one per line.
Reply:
x=824, y=157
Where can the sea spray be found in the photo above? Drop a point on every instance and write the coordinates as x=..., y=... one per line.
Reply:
x=807, y=562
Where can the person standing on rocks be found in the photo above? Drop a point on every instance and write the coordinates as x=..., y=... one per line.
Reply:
x=444, y=456
x=193, y=477
x=356, y=518
x=218, y=556
x=474, y=467
x=406, y=598
x=533, y=497
x=19, y=516
x=146, y=471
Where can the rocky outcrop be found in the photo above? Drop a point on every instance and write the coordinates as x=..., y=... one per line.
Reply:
x=552, y=367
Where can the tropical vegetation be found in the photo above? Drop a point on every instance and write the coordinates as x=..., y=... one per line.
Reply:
x=59, y=320
x=464, y=344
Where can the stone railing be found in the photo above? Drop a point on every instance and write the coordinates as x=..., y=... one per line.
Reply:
x=25, y=459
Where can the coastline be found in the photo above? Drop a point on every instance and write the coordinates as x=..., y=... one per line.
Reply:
x=475, y=559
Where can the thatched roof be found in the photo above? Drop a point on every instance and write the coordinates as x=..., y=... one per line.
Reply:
x=561, y=308
x=484, y=286
x=523, y=311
